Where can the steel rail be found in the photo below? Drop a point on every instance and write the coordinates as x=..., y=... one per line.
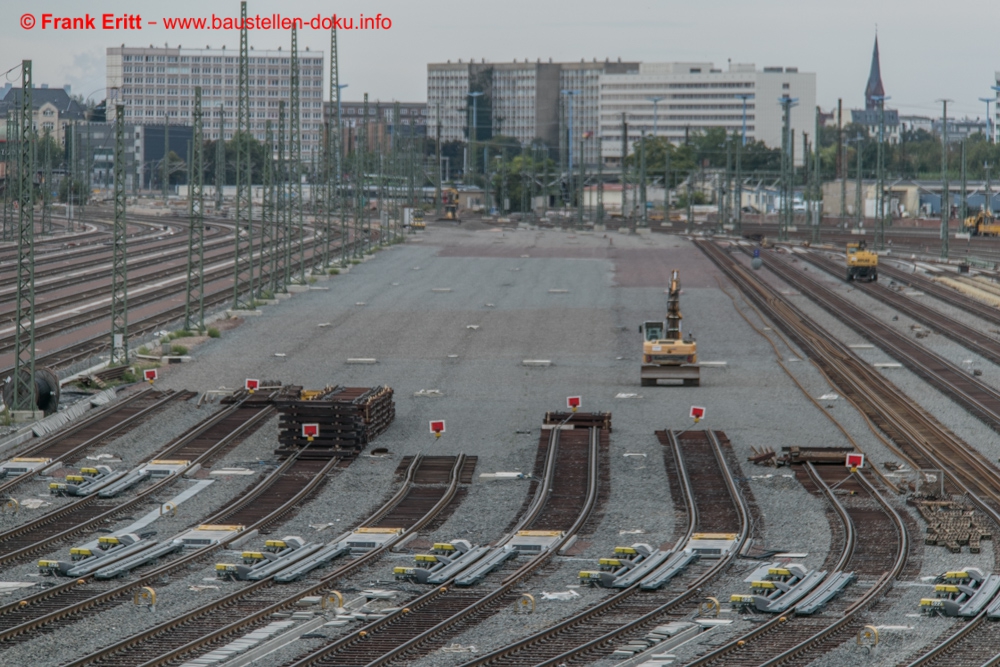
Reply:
x=371, y=556
x=507, y=584
x=741, y=507
x=39, y=448
x=138, y=498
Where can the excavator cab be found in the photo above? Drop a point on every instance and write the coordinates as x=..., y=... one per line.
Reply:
x=652, y=330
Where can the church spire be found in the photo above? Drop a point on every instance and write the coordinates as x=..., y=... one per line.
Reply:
x=874, y=87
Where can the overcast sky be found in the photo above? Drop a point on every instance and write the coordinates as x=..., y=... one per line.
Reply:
x=929, y=50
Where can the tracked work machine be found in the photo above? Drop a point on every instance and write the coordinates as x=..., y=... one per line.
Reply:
x=862, y=264
x=666, y=354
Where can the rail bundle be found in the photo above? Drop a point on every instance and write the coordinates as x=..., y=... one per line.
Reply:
x=347, y=419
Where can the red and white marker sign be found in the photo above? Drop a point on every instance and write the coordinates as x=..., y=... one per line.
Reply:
x=252, y=385
x=149, y=374
x=310, y=430
x=697, y=413
x=855, y=461
x=572, y=402
x=437, y=427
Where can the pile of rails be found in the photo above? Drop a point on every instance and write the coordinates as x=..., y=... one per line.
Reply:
x=953, y=525
x=600, y=420
x=348, y=418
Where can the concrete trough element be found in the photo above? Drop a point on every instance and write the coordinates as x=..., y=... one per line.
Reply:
x=536, y=362
x=362, y=360
x=246, y=313
x=485, y=565
x=829, y=589
x=143, y=557
x=317, y=559
x=441, y=289
x=558, y=291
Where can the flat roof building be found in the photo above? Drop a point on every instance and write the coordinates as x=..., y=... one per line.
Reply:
x=697, y=96
x=157, y=83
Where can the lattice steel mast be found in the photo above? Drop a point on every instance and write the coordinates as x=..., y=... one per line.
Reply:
x=295, y=144
x=268, y=237
x=243, y=264
x=119, y=279
x=23, y=397
x=194, y=306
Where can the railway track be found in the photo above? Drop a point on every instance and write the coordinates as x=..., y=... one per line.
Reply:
x=917, y=435
x=138, y=327
x=914, y=432
x=198, y=630
x=705, y=489
x=562, y=503
x=97, y=428
x=876, y=549
x=285, y=488
x=200, y=444
x=968, y=337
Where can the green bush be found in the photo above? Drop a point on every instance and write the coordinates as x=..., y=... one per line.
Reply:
x=333, y=272
x=355, y=261
x=182, y=333
x=312, y=280
x=178, y=350
x=213, y=332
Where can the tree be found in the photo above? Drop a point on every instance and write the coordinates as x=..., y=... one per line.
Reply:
x=258, y=153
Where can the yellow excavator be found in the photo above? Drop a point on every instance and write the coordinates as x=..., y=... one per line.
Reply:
x=982, y=224
x=666, y=353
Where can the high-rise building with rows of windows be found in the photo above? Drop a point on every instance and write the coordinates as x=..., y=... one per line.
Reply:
x=156, y=85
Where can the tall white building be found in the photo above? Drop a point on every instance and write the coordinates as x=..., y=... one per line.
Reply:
x=694, y=97
x=524, y=100
x=155, y=83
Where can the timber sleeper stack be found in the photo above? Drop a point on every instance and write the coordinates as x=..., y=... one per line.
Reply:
x=348, y=418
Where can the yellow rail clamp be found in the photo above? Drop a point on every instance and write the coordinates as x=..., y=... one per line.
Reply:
x=88, y=471
x=56, y=485
x=714, y=536
x=74, y=478
x=946, y=588
x=81, y=552
x=625, y=550
x=741, y=599
x=402, y=570
x=710, y=607
x=146, y=594
x=443, y=546
x=224, y=567
x=527, y=603
x=252, y=555
x=380, y=531
x=425, y=558
x=956, y=574
x=48, y=563
x=540, y=533
x=931, y=602
x=589, y=574
x=168, y=462
x=221, y=527
x=609, y=562
x=275, y=544
x=332, y=595
x=769, y=585
x=30, y=459
x=868, y=632
x=779, y=572
x=108, y=540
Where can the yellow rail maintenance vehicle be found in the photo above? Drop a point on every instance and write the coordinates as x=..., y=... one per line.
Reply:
x=982, y=224
x=862, y=264
x=666, y=354
x=449, y=200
